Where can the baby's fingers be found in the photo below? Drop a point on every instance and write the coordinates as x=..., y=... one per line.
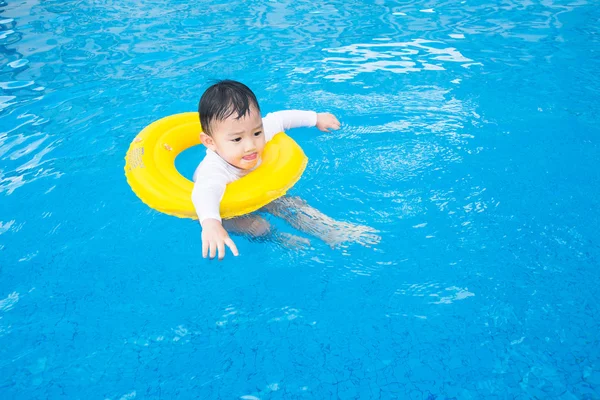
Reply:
x=336, y=123
x=205, y=245
x=221, y=248
x=332, y=124
x=232, y=246
x=213, y=250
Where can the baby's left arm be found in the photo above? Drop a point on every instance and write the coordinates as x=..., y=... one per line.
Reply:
x=327, y=121
x=281, y=121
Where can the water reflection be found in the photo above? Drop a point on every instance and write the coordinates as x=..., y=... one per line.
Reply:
x=397, y=57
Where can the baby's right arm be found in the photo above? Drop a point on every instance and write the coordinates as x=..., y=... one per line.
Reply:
x=209, y=187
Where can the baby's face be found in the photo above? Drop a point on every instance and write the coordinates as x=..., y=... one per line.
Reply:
x=240, y=142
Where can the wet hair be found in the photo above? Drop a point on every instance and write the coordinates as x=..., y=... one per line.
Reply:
x=224, y=99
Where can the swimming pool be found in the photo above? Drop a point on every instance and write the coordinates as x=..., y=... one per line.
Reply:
x=470, y=141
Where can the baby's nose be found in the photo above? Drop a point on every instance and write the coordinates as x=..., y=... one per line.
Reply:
x=249, y=145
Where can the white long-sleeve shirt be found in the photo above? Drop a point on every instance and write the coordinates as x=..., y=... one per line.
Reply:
x=213, y=174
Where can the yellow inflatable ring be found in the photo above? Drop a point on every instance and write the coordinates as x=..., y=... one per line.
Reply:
x=151, y=173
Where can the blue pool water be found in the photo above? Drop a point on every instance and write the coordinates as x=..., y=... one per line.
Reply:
x=470, y=141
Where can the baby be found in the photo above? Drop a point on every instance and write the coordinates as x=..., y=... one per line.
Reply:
x=235, y=136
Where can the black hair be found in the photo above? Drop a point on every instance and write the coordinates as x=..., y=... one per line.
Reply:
x=224, y=99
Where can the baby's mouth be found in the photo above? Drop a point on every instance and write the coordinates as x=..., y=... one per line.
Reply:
x=250, y=157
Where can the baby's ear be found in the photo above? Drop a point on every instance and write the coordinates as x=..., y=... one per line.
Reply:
x=207, y=140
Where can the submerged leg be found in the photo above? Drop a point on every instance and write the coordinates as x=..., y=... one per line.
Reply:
x=312, y=221
x=257, y=228
x=251, y=225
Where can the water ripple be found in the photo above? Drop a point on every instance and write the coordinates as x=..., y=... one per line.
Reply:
x=396, y=57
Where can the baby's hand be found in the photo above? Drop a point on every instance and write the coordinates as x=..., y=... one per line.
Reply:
x=327, y=121
x=214, y=238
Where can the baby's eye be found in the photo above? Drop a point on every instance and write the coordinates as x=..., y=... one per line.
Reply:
x=237, y=139
x=257, y=134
